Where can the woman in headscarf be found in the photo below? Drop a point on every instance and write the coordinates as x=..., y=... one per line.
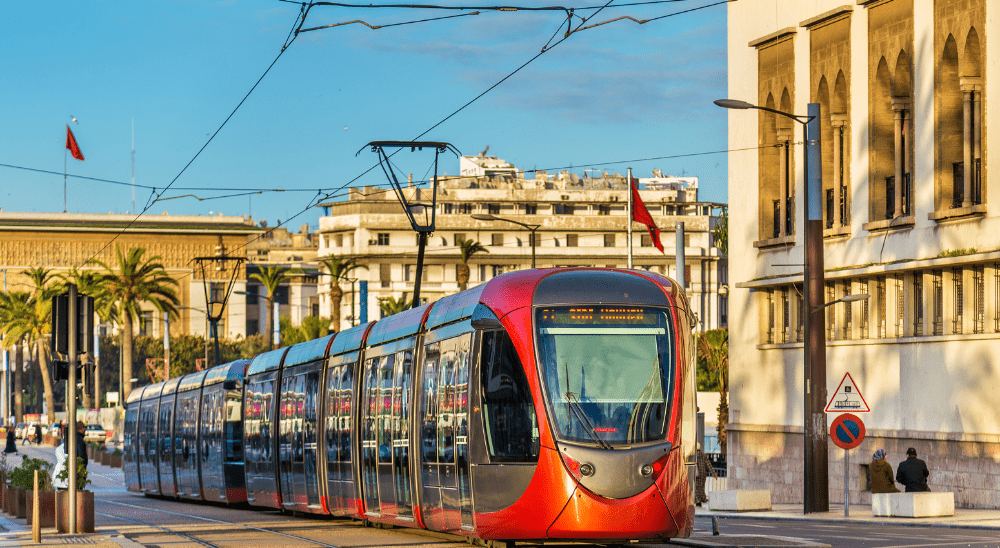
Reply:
x=880, y=474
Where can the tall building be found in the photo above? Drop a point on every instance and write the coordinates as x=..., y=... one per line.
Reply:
x=296, y=297
x=905, y=132
x=578, y=221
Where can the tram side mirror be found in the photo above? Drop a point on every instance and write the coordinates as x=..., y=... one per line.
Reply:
x=484, y=318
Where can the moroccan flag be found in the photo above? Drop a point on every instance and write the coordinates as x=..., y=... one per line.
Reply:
x=74, y=148
x=641, y=215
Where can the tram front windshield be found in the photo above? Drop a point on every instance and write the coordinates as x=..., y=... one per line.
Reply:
x=608, y=372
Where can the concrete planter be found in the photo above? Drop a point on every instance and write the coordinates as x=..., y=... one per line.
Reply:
x=116, y=460
x=20, y=503
x=46, y=507
x=7, y=496
x=84, y=511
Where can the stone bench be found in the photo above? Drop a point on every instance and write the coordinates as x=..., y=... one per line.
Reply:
x=740, y=501
x=913, y=505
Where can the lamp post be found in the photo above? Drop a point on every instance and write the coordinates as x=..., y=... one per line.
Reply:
x=815, y=472
x=532, y=228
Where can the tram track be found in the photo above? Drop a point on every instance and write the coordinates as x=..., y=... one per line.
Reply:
x=189, y=535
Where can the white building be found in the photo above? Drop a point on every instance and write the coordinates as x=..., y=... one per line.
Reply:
x=581, y=222
x=903, y=90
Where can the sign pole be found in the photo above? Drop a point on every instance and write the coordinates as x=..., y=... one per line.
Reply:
x=847, y=492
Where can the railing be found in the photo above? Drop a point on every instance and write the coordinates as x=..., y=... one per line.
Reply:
x=958, y=183
x=890, y=196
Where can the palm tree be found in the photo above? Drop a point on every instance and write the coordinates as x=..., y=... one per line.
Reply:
x=25, y=317
x=41, y=325
x=339, y=269
x=467, y=248
x=713, y=346
x=390, y=306
x=271, y=277
x=88, y=283
x=14, y=306
x=136, y=281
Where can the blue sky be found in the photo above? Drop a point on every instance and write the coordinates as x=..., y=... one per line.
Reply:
x=617, y=92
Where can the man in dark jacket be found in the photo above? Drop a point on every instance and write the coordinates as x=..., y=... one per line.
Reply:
x=81, y=444
x=912, y=472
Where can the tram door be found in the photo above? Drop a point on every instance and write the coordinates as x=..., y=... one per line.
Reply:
x=299, y=472
x=385, y=435
x=166, y=458
x=445, y=466
x=340, y=479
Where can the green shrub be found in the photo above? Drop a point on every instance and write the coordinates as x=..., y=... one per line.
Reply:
x=23, y=476
x=81, y=475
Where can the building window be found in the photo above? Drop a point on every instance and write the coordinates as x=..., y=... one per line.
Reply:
x=572, y=240
x=900, y=306
x=609, y=240
x=496, y=240
x=937, y=287
x=785, y=320
x=385, y=275
x=464, y=209
x=770, y=316
x=530, y=209
x=448, y=209
x=831, y=316
x=800, y=321
x=252, y=294
x=604, y=209
x=493, y=209
x=880, y=304
x=979, y=300
x=959, y=294
x=281, y=294
x=253, y=327
x=645, y=241
x=382, y=238
x=564, y=209
x=146, y=323
x=918, y=304
x=848, y=313
x=216, y=292
x=723, y=311
x=459, y=237
x=340, y=240
x=865, y=310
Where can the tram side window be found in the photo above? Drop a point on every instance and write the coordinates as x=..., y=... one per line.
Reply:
x=508, y=409
x=429, y=404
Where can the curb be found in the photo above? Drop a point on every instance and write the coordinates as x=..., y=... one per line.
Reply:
x=850, y=521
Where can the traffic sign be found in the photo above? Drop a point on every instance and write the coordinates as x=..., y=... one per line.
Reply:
x=847, y=431
x=847, y=398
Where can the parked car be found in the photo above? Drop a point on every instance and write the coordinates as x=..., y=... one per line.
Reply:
x=19, y=430
x=96, y=433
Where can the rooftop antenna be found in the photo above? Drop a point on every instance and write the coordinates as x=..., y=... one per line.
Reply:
x=133, y=164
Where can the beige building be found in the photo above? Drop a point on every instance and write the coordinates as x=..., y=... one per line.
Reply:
x=910, y=219
x=581, y=221
x=297, y=297
x=59, y=241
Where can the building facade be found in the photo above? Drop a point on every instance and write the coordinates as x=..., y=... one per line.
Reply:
x=909, y=219
x=580, y=221
x=60, y=241
x=296, y=297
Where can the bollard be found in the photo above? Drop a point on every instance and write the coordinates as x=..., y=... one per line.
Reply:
x=36, y=517
x=715, y=525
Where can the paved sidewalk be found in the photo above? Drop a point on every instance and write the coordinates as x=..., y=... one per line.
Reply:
x=15, y=534
x=967, y=518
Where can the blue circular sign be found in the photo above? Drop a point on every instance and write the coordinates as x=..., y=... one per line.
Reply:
x=847, y=431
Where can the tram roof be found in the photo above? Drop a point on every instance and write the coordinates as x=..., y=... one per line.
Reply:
x=191, y=381
x=266, y=361
x=170, y=386
x=308, y=351
x=152, y=391
x=228, y=371
x=350, y=339
x=397, y=326
x=135, y=395
x=454, y=307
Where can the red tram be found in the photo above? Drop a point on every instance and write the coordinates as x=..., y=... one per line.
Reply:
x=541, y=405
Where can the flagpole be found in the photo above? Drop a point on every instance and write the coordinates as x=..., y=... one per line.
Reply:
x=64, y=179
x=629, y=221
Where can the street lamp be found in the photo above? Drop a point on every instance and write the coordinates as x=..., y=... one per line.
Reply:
x=532, y=228
x=815, y=472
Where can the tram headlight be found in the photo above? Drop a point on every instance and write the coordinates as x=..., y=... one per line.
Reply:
x=586, y=469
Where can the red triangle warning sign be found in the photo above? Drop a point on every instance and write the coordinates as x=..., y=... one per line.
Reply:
x=847, y=398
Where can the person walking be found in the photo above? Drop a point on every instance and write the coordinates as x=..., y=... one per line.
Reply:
x=912, y=473
x=38, y=433
x=11, y=441
x=704, y=468
x=880, y=474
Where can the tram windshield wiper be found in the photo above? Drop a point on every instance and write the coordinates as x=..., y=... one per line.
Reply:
x=581, y=415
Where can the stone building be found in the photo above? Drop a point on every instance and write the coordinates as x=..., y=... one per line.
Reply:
x=59, y=241
x=581, y=221
x=905, y=132
x=296, y=297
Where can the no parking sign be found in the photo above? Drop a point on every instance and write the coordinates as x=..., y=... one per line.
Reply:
x=847, y=431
